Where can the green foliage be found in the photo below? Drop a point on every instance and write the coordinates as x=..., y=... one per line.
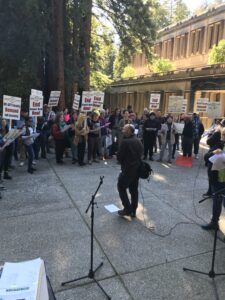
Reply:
x=161, y=66
x=128, y=72
x=102, y=55
x=180, y=12
x=23, y=34
x=217, y=54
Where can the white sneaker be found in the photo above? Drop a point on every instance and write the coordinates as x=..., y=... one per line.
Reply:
x=21, y=164
x=196, y=156
x=34, y=162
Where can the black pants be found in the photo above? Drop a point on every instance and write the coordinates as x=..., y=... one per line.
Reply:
x=8, y=157
x=30, y=156
x=187, y=146
x=217, y=201
x=92, y=147
x=196, y=145
x=59, y=149
x=131, y=183
x=149, y=143
x=81, y=151
x=176, y=144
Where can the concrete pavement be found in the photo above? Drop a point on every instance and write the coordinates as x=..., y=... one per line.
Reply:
x=43, y=215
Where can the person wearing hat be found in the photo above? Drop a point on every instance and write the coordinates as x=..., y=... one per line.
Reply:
x=149, y=135
x=129, y=157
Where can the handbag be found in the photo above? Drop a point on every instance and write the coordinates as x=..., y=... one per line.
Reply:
x=145, y=170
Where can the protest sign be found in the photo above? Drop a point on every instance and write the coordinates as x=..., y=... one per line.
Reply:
x=87, y=101
x=202, y=104
x=175, y=104
x=76, y=102
x=154, y=101
x=11, y=107
x=36, y=106
x=36, y=93
x=98, y=99
x=54, y=98
x=213, y=110
x=184, y=106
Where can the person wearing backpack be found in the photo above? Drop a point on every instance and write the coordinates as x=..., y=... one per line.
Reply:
x=129, y=157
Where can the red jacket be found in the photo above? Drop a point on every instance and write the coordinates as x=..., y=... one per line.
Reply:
x=56, y=132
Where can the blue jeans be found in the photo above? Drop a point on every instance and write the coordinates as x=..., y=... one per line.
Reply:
x=30, y=154
x=163, y=147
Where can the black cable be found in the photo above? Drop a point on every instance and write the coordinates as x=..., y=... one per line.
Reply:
x=179, y=223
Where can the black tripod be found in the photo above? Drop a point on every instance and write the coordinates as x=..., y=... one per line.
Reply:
x=92, y=272
x=211, y=273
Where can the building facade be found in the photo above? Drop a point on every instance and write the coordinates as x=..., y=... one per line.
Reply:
x=187, y=44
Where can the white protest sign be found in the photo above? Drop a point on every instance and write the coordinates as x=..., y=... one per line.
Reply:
x=76, y=102
x=98, y=99
x=87, y=101
x=179, y=127
x=184, y=106
x=36, y=93
x=175, y=104
x=54, y=98
x=11, y=107
x=202, y=104
x=213, y=110
x=154, y=101
x=36, y=106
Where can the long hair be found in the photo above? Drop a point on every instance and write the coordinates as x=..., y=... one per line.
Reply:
x=58, y=116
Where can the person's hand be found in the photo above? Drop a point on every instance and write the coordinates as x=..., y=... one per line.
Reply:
x=217, y=151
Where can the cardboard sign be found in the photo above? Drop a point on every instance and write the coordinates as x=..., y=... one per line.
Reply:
x=76, y=102
x=184, y=106
x=54, y=98
x=98, y=101
x=36, y=106
x=175, y=104
x=11, y=107
x=213, y=110
x=154, y=101
x=36, y=93
x=202, y=104
x=87, y=101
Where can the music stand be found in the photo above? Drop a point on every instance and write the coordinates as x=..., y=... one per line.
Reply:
x=211, y=273
x=91, y=273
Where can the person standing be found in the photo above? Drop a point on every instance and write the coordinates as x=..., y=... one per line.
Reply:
x=149, y=135
x=129, y=157
x=80, y=139
x=198, y=130
x=187, y=137
x=168, y=132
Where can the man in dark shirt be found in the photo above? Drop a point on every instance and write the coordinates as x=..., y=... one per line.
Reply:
x=129, y=156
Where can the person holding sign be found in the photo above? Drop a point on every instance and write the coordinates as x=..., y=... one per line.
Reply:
x=168, y=131
x=80, y=139
x=93, y=137
x=58, y=130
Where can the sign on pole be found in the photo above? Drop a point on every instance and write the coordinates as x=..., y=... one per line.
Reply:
x=54, y=98
x=202, y=104
x=98, y=99
x=11, y=107
x=76, y=102
x=154, y=101
x=36, y=106
x=175, y=104
x=213, y=110
x=87, y=101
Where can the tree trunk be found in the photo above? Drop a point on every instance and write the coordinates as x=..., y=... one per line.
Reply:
x=59, y=10
x=85, y=35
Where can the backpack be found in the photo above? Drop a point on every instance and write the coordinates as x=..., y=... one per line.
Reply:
x=145, y=170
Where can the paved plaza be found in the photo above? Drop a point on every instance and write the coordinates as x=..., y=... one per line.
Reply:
x=43, y=215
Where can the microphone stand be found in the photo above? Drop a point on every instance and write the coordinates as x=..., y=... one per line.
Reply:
x=211, y=273
x=91, y=274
